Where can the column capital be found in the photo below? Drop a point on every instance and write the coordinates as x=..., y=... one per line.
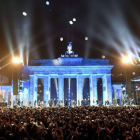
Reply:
x=93, y=74
x=34, y=75
x=31, y=75
x=45, y=75
x=79, y=75
x=61, y=77
x=108, y=74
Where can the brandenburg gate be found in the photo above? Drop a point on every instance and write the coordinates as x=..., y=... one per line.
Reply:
x=70, y=66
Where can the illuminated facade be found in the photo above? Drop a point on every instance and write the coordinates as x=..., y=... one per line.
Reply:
x=69, y=66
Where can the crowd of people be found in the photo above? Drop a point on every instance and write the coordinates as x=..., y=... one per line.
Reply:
x=70, y=123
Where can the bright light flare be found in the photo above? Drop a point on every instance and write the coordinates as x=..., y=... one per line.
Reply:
x=126, y=59
x=17, y=60
x=24, y=14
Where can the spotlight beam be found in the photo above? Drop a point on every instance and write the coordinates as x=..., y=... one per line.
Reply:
x=5, y=65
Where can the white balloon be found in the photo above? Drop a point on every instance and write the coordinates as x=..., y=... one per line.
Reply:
x=74, y=19
x=86, y=38
x=47, y=3
x=61, y=38
x=24, y=14
x=71, y=22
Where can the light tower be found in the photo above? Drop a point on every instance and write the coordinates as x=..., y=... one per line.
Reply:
x=17, y=77
x=126, y=64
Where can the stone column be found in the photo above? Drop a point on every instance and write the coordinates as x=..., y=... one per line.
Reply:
x=93, y=89
x=107, y=89
x=104, y=86
x=33, y=89
x=46, y=88
x=115, y=95
x=79, y=88
x=61, y=89
x=4, y=94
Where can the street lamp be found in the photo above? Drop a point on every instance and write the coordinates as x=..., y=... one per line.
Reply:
x=17, y=60
x=16, y=75
x=127, y=61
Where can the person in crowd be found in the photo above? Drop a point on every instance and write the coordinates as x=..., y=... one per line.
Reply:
x=68, y=123
x=22, y=103
x=78, y=103
x=44, y=102
x=88, y=102
x=82, y=103
x=66, y=102
x=54, y=102
x=97, y=102
x=58, y=103
x=51, y=102
x=85, y=102
x=18, y=102
x=74, y=102
x=29, y=103
x=13, y=102
x=35, y=103
x=38, y=102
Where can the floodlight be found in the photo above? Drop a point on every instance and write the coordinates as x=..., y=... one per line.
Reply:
x=17, y=60
x=126, y=59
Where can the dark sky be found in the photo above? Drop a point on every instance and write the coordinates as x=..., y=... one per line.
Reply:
x=112, y=28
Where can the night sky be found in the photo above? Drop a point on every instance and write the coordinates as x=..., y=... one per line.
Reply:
x=112, y=28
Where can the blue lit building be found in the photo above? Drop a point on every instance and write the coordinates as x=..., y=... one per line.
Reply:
x=82, y=75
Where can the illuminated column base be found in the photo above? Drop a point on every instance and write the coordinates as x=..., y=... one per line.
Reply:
x=61, y=90
x=104, y=83
x=109, y=88
x=7, y=92
x=33, y=89
x=46, y=88
x=93, y=90
x=79, y=89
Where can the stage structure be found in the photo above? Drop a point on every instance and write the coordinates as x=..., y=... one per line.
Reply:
x=69, y=66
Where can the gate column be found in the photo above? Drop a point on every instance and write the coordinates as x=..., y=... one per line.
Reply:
x=79, y=89
x=33, y=89
x=46, y=88
x=107, y=91
x=61, y=89
x=93, y=89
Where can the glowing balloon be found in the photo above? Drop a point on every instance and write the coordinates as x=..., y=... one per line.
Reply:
x=24, y=14
x=74, y=19
x=61, y=38
x=86, y=38
x=70, y=22
x=47, y=3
